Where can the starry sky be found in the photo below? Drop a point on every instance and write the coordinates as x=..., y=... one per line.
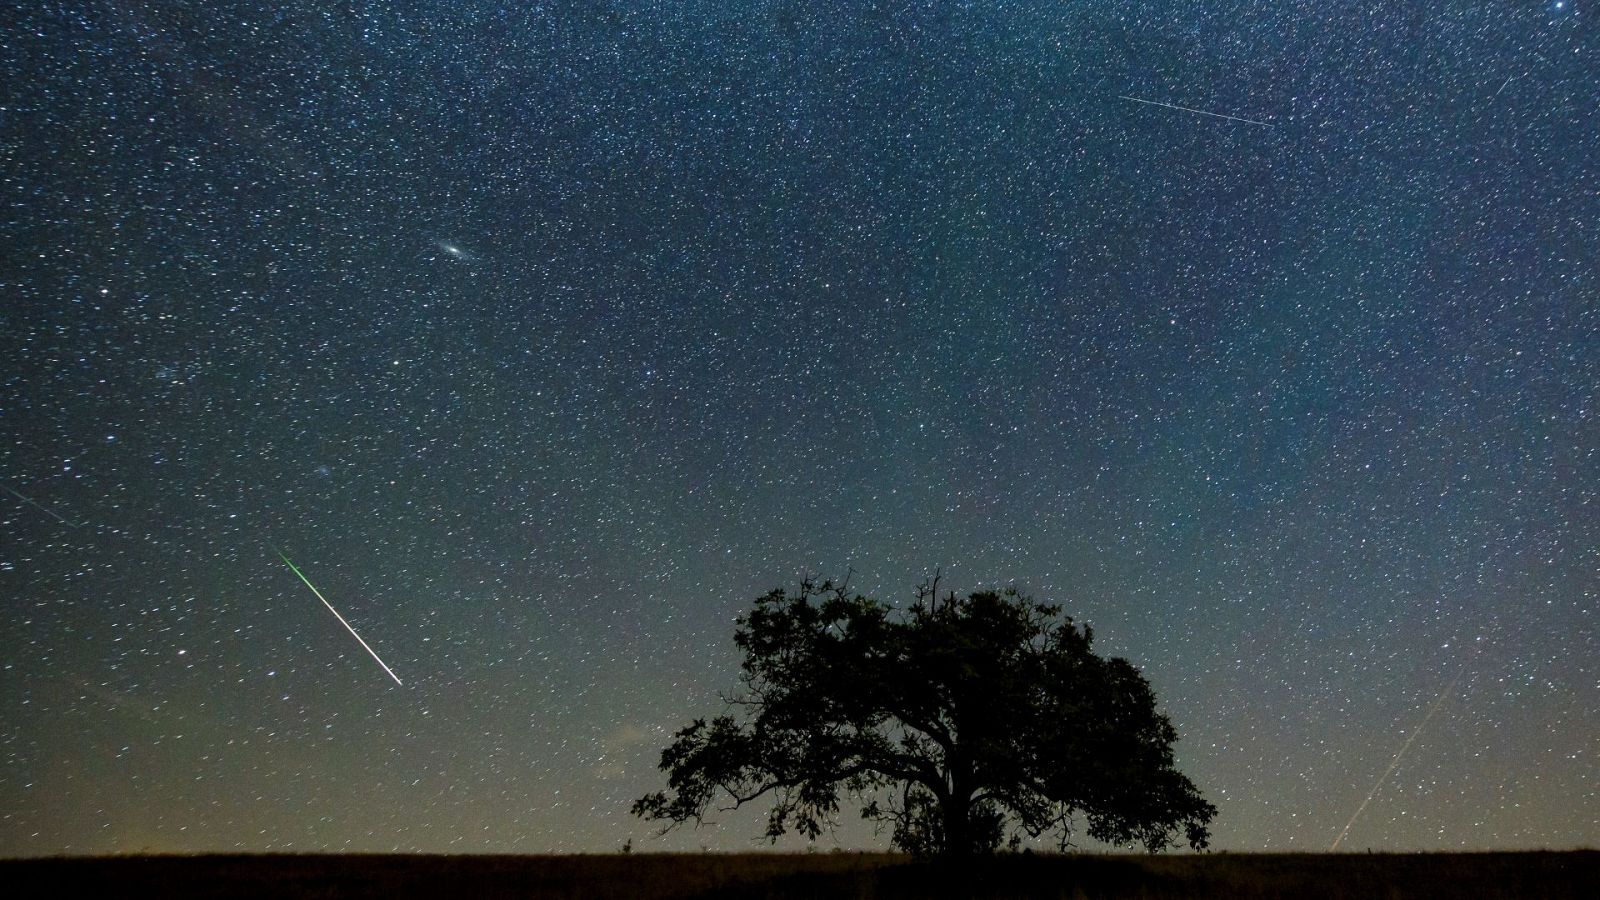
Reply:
x=544, y=338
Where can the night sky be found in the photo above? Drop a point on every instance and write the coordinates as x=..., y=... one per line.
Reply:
x=544, y=338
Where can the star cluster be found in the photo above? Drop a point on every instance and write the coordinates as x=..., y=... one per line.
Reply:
x=545, y=337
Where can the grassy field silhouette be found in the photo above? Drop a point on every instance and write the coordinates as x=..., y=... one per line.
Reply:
x=1556, y=875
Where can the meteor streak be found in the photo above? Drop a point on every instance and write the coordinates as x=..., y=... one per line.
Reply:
x=336, y=615
x=1200, y=112
x=1395, y=763
x=29, y=501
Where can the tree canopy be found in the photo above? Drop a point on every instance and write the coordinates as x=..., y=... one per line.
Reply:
x=964, y=724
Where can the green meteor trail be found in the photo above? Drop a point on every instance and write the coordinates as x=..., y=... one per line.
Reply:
x=296, y=570
x=30, y=502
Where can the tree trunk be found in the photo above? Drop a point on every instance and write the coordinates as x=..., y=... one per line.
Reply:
x=957, y=826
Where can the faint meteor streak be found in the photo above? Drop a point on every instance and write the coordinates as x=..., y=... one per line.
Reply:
x=1200, y=112
x=336, y=615
x=29, y=501
x=1395, y=763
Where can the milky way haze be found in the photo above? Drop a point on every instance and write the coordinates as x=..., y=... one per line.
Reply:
x=543, y=339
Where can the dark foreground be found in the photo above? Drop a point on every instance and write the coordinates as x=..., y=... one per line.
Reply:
x=876, y=876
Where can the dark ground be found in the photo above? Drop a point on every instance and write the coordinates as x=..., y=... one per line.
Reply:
x=1574, y=874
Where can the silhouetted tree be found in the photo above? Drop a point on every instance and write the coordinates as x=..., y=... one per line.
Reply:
x=955, y=722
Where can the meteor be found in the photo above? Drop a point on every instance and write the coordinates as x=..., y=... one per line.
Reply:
x=1395, y=763
x=1199, y=112
x=336, y=615
x=29, y=501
